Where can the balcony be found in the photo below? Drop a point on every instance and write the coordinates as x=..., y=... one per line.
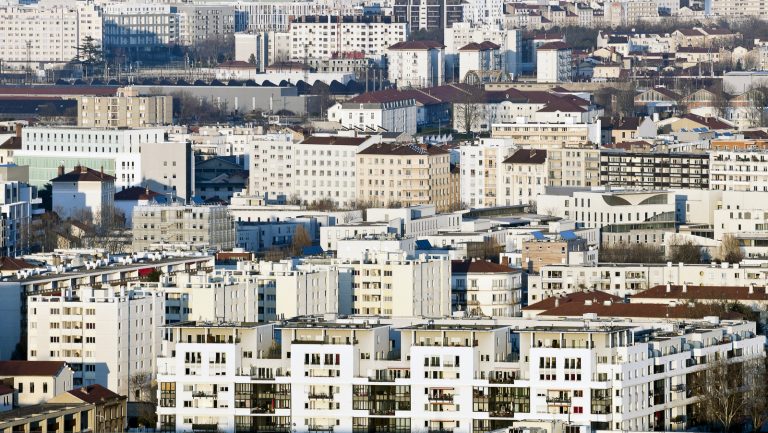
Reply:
x=320, y=428
x=444, y=398
x=261, y=409
x=205, y=427
x=320, y=396
x=206, y=394
x=558, y=400
x=502, y=414
x=501, y=379
x=381, y=412
x=680, y=387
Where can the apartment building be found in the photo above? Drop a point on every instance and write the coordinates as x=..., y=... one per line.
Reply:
x=622, y=216
x=554, y=63
x=325, y=168
x=428, y=14
x=463, y=376
x=654, y=170
x=330, y=36
x=463, y=34
x=408, y=174
x=134, y=156
x=416, y=64
x=140, y=26
x=124, y=110
x=563, y=247
x=35, y=382
x=200, y=22
x=725, y=8
x=46, y=34
x=388, y=284
x=481, y=174
x=547, y=135
x=274, y=15
x=83, y=194
x=740, y=169
x=271, y=166
x=187, y=226
x=377, y=112
x=524, y=177
x=483, y=288
x=17, y=205
x=105, y=336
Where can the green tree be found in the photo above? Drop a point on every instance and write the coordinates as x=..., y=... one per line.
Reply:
x=252, y=59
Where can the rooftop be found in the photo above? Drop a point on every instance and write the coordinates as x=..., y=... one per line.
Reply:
x=82, y=173
x=93, y=393
x=31, y=368
x=706, y=292
x=479, y=267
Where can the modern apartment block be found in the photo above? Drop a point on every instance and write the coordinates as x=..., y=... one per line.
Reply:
x=17, y=205
x=654, y=170
x=482, y=176
x=740, y=169
x=416, y=64
x=407, y=174
x=124, y=110
x=106, y=337
x=46, y=34
x=202, y=22
x=428, y=15
x=187, y=226
x=140, y=26
x=455, y=375
x=271, y=166
x=483, y=288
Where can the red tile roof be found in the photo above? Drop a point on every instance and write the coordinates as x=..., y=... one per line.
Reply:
x=553, y=46
x=709, y=122
x=416, y=45
x=13, y=264
x=5, y=389
x=93, y=393
x=136, y=193
x=595, y=296
x=620, y=309
x=482, y=46
x=31, y=368
x=83, y=174
x=527, y=156
x=705, y=292
x=336, y=140
x=402, y=149
x=479, y=267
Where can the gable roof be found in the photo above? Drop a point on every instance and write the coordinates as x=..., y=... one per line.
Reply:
x=709, y=122
x=135, y=193
x=416, y=45
x=5, y=389
x=479, y=267
x=527, y=156
x=82, y=173
x=621, y=309
x=31, y=368
x=705, y=292
x=12, y=143
x=13, y=264
x=93, y=393
x=595, y=296
x=335, y=139
x=558, y=45
x=482, y=46
x=402, y=149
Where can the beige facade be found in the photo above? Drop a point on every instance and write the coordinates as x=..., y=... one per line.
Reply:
x=411, y=174
x=157, y=226
x=125, y=110
x=574, y=166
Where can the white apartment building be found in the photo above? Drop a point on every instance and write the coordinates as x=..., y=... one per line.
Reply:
x=325, y=168
x=483, y=288
x=622, y=216
x=200, y=22
x=418, y=376
x=416, y=64
x=738, y=170
x=140, y=26
x=554, y=63
x=83, y=194
x=172, y=226
x=416, y=221
x=274, y=15
x=390, y=115
x=329, y=36
x=331, y=235
x=47, y=35
x=462, y=34
x=742, y=214
x=545, y=135
x=271, y=166
x=481, y=176
x=105, y=336
x=135, y=157
x=524, y=177
x=17, y=205
x=628, y=279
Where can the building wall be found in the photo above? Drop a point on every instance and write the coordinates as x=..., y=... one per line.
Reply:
x=80, y=199
x=197, y=226
x=124, y=110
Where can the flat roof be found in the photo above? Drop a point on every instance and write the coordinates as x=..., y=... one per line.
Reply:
x=305, y=324
x=453, y=327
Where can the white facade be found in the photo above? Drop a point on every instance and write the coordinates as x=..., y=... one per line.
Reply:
x=106, y=337
x=140, y=25
x=37, y=385
x=553, y=65
x=481, y=164
x=458, y=375
x=201, y=22
x=416, y=64
x=738, y=170
x=90, y=196
x=416, y=221
x=394, y=116
x=169, y=226
x=486, y=289
x=462, y=34
x=271, y=166
x=48, y=33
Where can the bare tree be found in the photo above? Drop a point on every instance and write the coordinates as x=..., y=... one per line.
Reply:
x=469, y=112
x=684, y=251
x=300, y=240
x=720, y=392
x=758, y=103
x=730, y=250
x=630, y=253
x=143, y=389
x=756, y=393
x=623, y=100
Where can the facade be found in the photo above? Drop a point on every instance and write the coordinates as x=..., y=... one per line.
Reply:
x=547, y=135
x=482, y=176
x=408, y=174
x=428, y=14
x=17, y=205
x=200, y=22
x=35, y=382
x=274, y=15
x=562, y=248
x=416, y=64
x=124, y=110
x=110, y=409
x=463, y=34
x=331, y=36
x=459, y=375
x=219, y=178
x=654, y=170
x=738, y=169
x=271, y=166
x=483, y=288
x=171, y=226
x=399, y=114
x=46, y=34
x=83, y=194
x=105, y=337
x=140, y=26
x=524, y=177
x=554, y=63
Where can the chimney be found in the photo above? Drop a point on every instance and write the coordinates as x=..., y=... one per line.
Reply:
x=557, y=301
x=19, y=127
x=751, y=288
x=101, y=171
x=685, y=288
x=669, y=287
x=61, y=170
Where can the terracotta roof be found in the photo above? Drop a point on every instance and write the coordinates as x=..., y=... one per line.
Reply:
x=5, y=389
x=666, y=92
x=13, y=143
x=709, y=122
x=416, y=45
x=553, y=46
x=621, y=309
x=337, y=140
x=595, y=296
x=482, y=46
x=236, y=64
x=83, y=174
x=479, y=267
x=527, y=156
x=402, y=149
x=13, y=264
x=381, y=96
x=30, y=91
x=93, y=393
x=690, y=32
x=31, y=368
x=136, y=193
x=705, y=292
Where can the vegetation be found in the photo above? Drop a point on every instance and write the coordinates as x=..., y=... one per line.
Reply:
x=631, y=253
x=684, y=252
x=730, y=251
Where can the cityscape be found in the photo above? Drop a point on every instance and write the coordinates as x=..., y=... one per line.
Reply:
x=383, y=216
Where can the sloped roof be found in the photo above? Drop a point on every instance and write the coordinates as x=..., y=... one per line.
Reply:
x=595, y=296
x=93, y=393
x=135, y=193
x=482, y=46
x=12, y=143
x=709, y=122
x=527, y=156
x=416, y=45
x=479, y=267
x=402, y=149
x=705, y=292
x=31, y=368
x=5, y=389
x=335, y=140
x=621, y=309
x=83, y=174
x=558, y=45
x=13, y=264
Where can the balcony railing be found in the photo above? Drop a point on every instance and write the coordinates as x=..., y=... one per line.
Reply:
x=209, y=394
x=440, y=397
x=320, y=396
x=501, y=379
x=502, y=414
x=680, y=387
x=558, y=400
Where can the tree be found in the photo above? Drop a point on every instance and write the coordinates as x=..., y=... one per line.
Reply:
x=720, y=391
x=630, y=253
x=684, y=252
x=252, y=59
x=143, y=389
x=491, y=249
x=154, y=276
x=730, y=250
x=469, y=112
x=758, y=103
x=90, y=55
x=623, y=100
x=300, y=240
x=756, y=394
